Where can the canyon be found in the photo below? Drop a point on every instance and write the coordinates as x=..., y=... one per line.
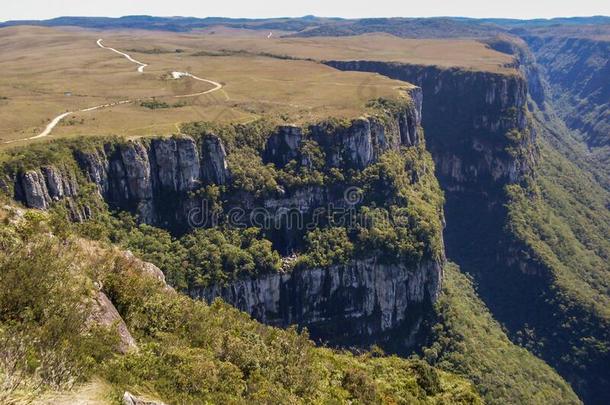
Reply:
x=516, y=149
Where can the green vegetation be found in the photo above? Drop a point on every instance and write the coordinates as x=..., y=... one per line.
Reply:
x=59, y=153
x=403, y=207
x=198, y=352
x=46, y=296
x=466, y=340
x=326, y=247
x=238, y=52
x=155, y=104
x=155, y=51
x=249, y=174
x=401, y=211
x=189, y=352
x=398, y=218
x=296, y=174
x=194, y=260
x=561, y=218
x=575, y=69
x=252, y=135
x=214, y=255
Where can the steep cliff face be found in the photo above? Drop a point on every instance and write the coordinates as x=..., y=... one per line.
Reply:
x=481, y=140
x=571, y=314
x=164, y=182
x=39, y=188
x=475, y=122
x=144, y=176
x=576, y=70
x=492, y=149
x=156, y=179
x=525, y=61
x=359, y=302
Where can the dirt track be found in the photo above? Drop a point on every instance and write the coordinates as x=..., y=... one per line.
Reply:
x=177, y=75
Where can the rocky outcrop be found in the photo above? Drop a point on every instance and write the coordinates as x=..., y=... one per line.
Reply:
x=132, y=177
x=105, y=314
x=469, y=118
x=130, y=399
x=39, y=188
x=146, y=269
x=362, y=301
x=283, y=146
x=35, y=190
x=59, y=185
x=153, y=179
x=354, y=144
x=214, y=156
x=96, y=165
x=347, y=146
x=177, y=164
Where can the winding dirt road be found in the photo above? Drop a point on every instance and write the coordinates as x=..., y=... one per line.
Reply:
x=176, y=75
x=217, y=86
x=129, y=58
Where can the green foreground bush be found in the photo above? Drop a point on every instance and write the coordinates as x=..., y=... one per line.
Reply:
x=189, y=352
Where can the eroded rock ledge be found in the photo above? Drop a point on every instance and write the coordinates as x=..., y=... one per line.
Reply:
x=364, y=300
x=156, y=178
x=159, y=180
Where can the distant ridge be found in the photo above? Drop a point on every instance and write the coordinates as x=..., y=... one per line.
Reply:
x=310, y=25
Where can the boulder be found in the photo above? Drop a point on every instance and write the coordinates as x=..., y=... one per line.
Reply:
x=105, y=314
x=130, y=399
x=35, y=190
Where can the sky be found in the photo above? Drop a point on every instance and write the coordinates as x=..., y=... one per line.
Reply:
x=44, y=9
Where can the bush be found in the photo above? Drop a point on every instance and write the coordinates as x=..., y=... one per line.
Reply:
x=326, y=247
x=249, y=174
x=195, y=353
x=45, y=305
x=224, y=255
x=154, y=104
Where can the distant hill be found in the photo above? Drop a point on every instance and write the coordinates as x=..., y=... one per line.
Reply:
x=307, y=26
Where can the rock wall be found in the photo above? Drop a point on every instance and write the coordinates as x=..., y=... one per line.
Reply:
x=577, y=71
x=363, y=301
x=475, y=122
x=480, y=137
x=40, y=188
x=153, y=178
x=156, y=178
x=525, y=61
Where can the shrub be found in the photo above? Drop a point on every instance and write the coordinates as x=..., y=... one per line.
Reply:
x=325, y=247
x=223, y=255
x=248, y=173
x=45, y=304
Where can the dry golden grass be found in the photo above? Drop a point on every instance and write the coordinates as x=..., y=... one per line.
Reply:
x=48, y=71
x=463, y=53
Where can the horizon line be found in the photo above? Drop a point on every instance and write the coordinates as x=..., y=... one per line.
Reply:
x=309, y=16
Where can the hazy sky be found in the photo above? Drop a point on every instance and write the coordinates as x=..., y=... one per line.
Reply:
x=43, y=9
